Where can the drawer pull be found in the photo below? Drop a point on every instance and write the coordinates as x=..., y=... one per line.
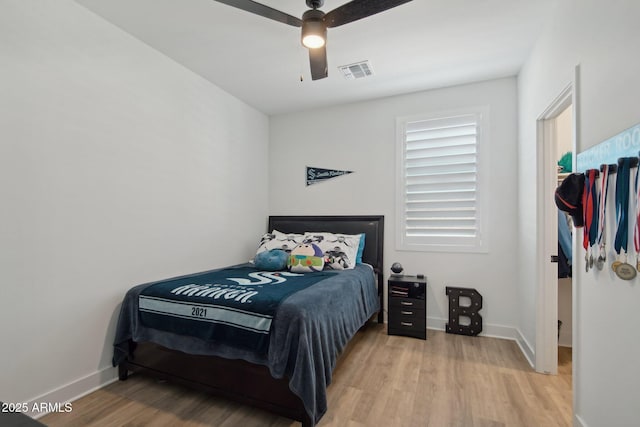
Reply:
x=406, y=312
x=406, y=303
x=406, y=323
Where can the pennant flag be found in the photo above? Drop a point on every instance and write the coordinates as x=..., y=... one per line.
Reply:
x=316, y=175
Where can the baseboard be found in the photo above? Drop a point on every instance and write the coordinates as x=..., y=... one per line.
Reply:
x=526, y=349
x=488, y=330
x=56, y=399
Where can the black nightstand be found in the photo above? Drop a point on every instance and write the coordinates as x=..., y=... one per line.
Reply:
x=407, y=297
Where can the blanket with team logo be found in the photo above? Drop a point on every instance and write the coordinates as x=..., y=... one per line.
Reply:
x=308, y=331
x=234, y=305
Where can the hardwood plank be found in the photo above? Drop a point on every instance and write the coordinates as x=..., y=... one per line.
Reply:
x=447, y=380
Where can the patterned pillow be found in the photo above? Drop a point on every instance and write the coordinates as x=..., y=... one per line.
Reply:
x=306, y=258
x=278, y=240
x=340, y=250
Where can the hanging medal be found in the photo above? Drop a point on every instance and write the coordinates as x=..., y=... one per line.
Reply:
x=622, y=269
x=590, y=213
x=601, y=240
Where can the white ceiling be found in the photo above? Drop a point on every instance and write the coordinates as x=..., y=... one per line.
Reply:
x=423, y=44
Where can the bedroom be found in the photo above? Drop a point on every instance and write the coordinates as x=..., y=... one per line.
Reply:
x=109, y=179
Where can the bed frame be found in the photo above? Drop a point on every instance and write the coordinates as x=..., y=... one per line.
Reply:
x=242, y=381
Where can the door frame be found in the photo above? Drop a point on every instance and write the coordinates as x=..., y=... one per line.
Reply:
x=546, y=353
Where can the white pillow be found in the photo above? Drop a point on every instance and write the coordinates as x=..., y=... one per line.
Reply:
x=278, y=240
x=340, y=250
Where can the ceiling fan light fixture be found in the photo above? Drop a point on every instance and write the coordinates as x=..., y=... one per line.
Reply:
x=313, y=41
x=314, y=30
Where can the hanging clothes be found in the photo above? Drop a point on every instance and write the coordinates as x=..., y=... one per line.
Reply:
x=565, y=252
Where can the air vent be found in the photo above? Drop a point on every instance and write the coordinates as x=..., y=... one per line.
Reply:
x=358, y=70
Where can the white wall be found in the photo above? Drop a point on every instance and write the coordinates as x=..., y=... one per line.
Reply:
x=362, y=137
x=604, y=39
x=117, y=166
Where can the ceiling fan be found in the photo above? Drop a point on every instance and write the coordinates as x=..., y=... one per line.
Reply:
x=315, y=22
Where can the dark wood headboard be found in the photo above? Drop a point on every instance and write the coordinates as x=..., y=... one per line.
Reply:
x=371, y=225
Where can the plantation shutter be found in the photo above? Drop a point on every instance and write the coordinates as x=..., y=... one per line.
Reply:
x=440, y=173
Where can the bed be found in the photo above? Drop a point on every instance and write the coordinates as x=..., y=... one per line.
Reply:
x=306, y=338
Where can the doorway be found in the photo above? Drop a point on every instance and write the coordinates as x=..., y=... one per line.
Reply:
x=556, y=133
x=563, y=137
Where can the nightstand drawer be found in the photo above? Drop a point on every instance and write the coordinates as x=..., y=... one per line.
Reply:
x=406, y=303
x=408, y=325
x=407, y=319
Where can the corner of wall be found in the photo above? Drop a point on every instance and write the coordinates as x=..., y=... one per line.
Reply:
x=526, y=348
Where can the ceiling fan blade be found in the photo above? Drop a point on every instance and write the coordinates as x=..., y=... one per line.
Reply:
x=318, y=62
x=262, y=10
x=358, y=9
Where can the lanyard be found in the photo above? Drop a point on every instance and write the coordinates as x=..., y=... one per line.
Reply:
x=603, y=195
x=593, y=206
x=590, y=208
x=590, y=214
x=602, y=203
x=622, y=204
x=623, y=269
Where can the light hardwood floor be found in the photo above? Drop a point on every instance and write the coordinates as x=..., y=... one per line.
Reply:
x=446, y=381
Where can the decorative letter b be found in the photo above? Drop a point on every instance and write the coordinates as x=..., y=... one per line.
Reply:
x=471, y=311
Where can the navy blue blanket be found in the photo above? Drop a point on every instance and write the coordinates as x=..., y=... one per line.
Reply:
x=309, y=330
x=236, y=304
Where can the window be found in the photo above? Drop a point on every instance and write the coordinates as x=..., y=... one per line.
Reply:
x=441, y=170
